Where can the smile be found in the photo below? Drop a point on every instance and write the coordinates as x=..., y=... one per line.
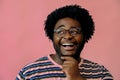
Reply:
x=68, y=46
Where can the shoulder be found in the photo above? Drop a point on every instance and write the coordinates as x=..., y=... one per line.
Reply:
x=43, y=61
x=33, y=67
x=95, y=69
x=87, y=64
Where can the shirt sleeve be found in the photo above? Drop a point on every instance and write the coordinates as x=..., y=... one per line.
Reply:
x=20, y=76
x=106, y=75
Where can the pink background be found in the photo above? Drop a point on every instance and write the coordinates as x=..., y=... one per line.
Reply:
x=22, y=38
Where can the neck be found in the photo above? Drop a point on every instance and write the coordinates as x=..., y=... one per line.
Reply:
x=57, y=58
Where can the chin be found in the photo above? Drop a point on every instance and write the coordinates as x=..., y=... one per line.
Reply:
x=67, y=53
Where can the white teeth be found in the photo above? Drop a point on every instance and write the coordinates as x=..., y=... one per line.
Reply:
x=68, y=44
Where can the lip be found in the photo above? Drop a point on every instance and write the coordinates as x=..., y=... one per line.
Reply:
x=68, y=46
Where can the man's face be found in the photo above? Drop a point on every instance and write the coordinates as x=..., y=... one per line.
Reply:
x=68, y=38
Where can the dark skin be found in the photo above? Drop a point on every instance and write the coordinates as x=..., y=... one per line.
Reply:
x=70, y=67
x=66, y=55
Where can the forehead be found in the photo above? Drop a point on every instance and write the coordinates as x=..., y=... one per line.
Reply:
x=67, y=23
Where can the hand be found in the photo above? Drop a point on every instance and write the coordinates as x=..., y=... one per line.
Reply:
x=71, y=68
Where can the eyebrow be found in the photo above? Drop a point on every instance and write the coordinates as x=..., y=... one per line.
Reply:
x=60, y=26
x=64, y=26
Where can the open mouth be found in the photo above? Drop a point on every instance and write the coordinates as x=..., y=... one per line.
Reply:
x=68, y=46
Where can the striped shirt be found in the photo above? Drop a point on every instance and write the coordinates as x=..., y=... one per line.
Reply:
x=46, y=69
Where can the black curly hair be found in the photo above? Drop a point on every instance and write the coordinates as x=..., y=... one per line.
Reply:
x=72, y=11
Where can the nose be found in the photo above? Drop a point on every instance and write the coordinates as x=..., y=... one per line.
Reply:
x=68, y=36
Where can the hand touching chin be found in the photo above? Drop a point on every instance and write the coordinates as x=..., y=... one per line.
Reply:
x=70, y=68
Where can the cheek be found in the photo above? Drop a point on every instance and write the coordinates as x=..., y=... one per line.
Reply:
x=56, y=40
x=79, y=38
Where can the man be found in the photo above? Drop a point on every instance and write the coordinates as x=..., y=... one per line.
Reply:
x=69, y=28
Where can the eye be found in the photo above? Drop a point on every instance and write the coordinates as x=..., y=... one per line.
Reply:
x=74, y=31
x=60, y=31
